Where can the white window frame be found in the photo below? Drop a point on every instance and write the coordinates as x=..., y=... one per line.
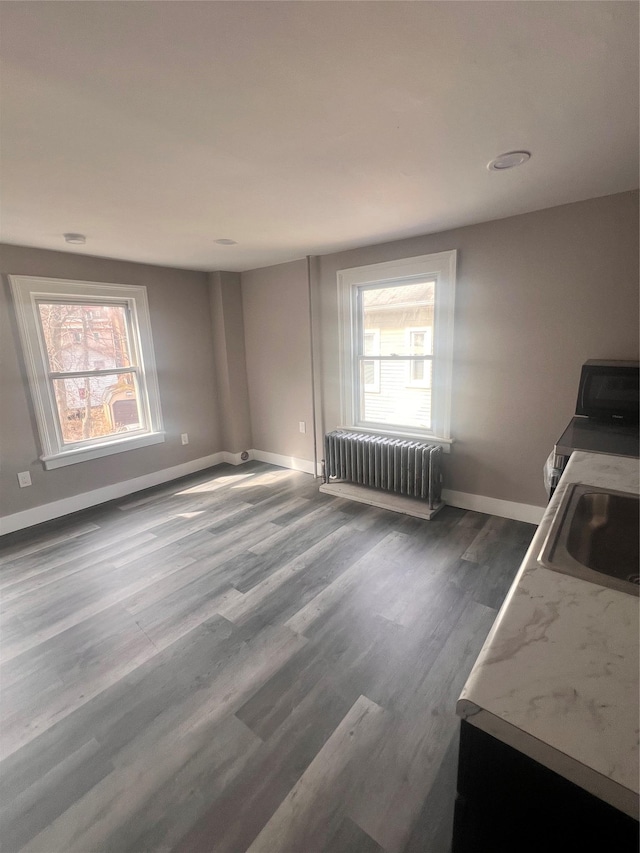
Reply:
x=27, y=292
x=441, y=267
x=374, y=387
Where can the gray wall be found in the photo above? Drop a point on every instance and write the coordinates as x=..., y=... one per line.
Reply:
x=537, y=295
x=276, y=324
x=182, y=336
x=230, y=363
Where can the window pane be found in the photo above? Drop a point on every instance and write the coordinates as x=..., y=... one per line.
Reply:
x=417, y=343
x=418, y=371
x=394, y=402
x=94, y=406
x=369, y=371
x=84, y=337
x=370, y=375
x=371, y=340
x=396, y=310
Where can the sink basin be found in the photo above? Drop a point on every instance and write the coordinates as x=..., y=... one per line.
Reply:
x=595, y=536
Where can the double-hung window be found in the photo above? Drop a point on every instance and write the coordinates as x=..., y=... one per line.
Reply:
x=396, y=340
x=91, y=368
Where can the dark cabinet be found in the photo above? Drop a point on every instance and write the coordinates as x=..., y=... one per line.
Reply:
x=509, y=803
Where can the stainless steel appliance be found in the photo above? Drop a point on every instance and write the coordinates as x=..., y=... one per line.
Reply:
x=606, y=416
x=609, y=391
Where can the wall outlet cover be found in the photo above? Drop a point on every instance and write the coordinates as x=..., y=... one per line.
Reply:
x=24, y=479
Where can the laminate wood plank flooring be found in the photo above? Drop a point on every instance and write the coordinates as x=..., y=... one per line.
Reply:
x=235, y=662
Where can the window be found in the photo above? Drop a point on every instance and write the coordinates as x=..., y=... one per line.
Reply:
x=398, y=380
x=90, y=364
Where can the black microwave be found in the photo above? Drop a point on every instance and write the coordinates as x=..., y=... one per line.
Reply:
x=608, y=391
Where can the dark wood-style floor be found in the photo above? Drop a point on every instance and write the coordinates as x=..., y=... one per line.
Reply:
x=236, y=662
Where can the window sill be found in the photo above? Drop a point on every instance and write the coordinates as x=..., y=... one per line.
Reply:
x=410, y=436
x=84, y=454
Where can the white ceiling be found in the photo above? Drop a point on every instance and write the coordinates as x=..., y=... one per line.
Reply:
x=299, y=128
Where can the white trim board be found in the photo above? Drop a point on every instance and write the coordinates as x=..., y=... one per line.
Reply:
x=410, y=506
x=85, y=500
x=291, y=462
x=55, y=509
x=75, y=503
x=493, y=506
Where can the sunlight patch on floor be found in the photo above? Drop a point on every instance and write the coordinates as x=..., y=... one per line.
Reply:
x=265, y=479
x=214, y=485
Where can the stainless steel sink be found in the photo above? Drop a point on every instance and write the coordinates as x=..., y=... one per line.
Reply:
x=595, y=536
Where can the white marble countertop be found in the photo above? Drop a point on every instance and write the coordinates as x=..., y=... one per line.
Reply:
x=557, y=677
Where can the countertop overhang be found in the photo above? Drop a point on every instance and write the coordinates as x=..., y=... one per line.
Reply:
x=557, y=677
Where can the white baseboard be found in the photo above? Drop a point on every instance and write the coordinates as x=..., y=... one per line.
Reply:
x=233, y=458
x=397, y=503
x=56, y=509
x=29, y=517
x=492, y=506
x=283, y=461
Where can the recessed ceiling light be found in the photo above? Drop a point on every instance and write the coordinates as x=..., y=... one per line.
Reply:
x=225, y=241
x=508, y=160
x=80, y=239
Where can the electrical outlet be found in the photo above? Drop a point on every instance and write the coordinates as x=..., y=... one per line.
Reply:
x=24, y=478
x=184, y=438
x=303, y=426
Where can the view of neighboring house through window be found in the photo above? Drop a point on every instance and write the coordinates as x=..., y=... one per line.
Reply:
x=371, y=367
x=420, y=342
x=395, y=309
x=396, y=345
x=92, y=373
x=91, y=367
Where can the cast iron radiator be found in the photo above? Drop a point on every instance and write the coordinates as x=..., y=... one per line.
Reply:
x=398, y=465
